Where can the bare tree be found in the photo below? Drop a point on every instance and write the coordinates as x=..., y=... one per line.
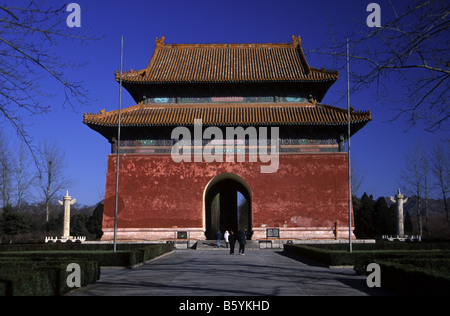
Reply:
x=6, y=169
x=412, y=179
x=51, y=173
x=440, y=166
x=24, y=178
x=410, y=50
x=424, y=164
x=28, y=36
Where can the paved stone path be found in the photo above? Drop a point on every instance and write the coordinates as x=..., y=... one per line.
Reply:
x=217, y=273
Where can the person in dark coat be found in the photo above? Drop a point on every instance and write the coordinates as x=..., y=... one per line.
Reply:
x=242, y=238
x=232, y=241
x=219, y=237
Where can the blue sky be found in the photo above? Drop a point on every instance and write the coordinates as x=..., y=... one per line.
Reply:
x=378, y=149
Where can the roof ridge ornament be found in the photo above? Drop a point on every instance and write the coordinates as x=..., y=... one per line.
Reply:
x=296, y=40
x=160, y=41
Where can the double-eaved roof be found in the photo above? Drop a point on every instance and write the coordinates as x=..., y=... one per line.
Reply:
x=196, y=64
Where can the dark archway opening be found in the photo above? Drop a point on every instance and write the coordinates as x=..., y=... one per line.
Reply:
x=227, y=207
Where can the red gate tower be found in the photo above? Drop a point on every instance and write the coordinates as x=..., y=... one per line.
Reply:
x=228, y=137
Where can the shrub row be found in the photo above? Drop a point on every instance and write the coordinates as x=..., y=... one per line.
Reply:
x=41, y=269
x=70, y=246
x=408, y=279
x=385, y=245
x=25, y=277
x=325, y=256
x=405, y=272
x=127, y=255
x=342, y=257
x=433, y=262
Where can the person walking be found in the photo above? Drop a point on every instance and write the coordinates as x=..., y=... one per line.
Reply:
x=242, y=238
x=225, y=236
x=219, y=237
x=232, y=240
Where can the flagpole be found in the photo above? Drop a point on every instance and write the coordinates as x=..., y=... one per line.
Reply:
x=349, y=165
x=118, y=148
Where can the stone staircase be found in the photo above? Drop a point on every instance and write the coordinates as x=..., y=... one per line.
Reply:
x=212, y=245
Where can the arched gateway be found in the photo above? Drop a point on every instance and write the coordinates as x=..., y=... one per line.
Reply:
x=227, y=205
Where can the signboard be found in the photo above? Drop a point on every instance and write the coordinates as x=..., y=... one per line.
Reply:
x=273, y=233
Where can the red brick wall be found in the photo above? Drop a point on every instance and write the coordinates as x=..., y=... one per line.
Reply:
x=308, y=190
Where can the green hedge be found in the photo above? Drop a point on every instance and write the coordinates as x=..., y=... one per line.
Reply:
x=126, y=255
x=405, y=269
x=9, y=265
x=127, y=258
x=74, y=246
x=408, y=279
x=325, y=256
x=41, y=278
x=435, y=262
x=384, y=245
x=35, y=269
x=331, y=257
x=30, y=283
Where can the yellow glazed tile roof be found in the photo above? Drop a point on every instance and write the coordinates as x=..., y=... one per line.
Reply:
x=201, y=63
x=238, y=114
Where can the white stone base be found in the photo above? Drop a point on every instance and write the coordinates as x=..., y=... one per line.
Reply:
x=152, y=234
x=304, y=233
x=401, y=238
x=66, y=239
x=259, y=233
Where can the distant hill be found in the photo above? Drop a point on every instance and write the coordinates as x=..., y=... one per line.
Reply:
x=435, y=206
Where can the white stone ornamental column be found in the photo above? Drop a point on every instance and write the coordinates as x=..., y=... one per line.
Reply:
x=67, y=203
x=400, y=199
